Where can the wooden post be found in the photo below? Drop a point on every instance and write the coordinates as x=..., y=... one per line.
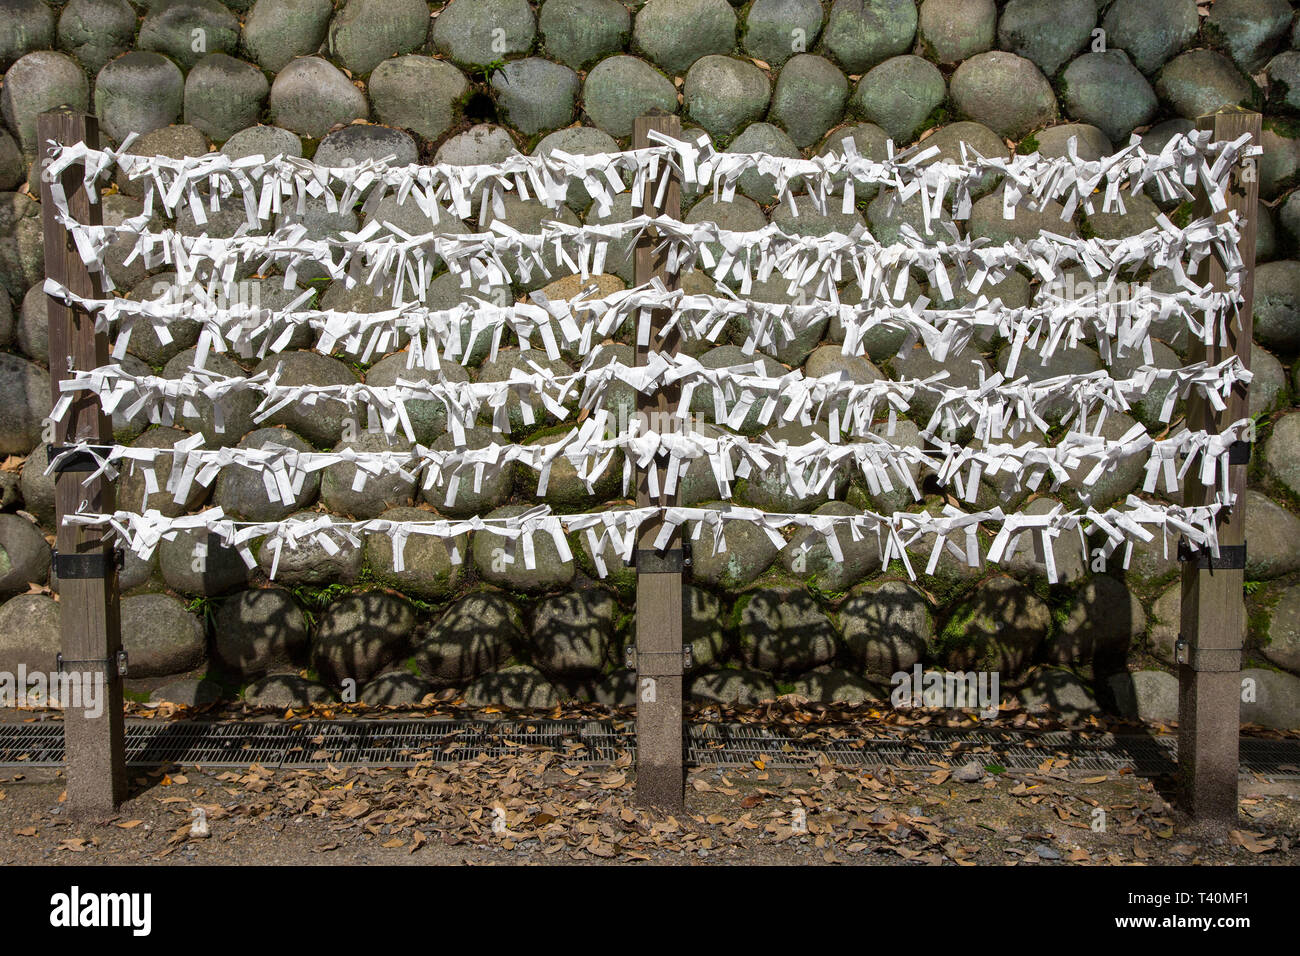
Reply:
x=1213, y=603
x=660, y=775
x=88, y=593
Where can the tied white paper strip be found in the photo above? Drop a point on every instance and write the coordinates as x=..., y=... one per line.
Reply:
x=1116, y=316
x=810, y=468
x=265, y=187
x=391, y=262
x=954, y=532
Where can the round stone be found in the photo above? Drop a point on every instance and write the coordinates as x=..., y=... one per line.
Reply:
x=258, y=632
x=1090, y=143
x=783, y=630
x=1048, y=32
x=132, y=489
x=428, y=417
x=160, y=637
x=1282, y=454
x=762, y=138
x=26, y=398
x=25, y=25
x=1277, y=305
x=1005, y=92
x=951, y=139
x=276, y=31
x=177, y=142
x=577, y=141
x=837, y=685
x=1105, y=620
x=33, y=332
x=1250, y=29
x=724, y=94
x=24, y=556
x=809, y=98
x=1150, y=31
x=749, y=552
x=988, y=222
x=196, y=561
x=353, y=145
x=283, y=691
x=310, y=563
x=705, y=627
x=1284, y=82
x=1275, y=701
x=869, y=140
x=1272, y=532
x=428, y=571
x=1200, y=82
x=536, y=94
x=475, y=635
x=1029, y=561
x=364, y=33
x=22, y=246
x=729, y=356
x=792, y=351
x=39, y=82
x=224, y=95
x=237, y=409
x=478, y=146
x=95, y=31
x=500, y=369
x=1108, y=91
x=30, y=633
x=899, y=95
x=1268, y=383
x=580, y=32
x=479, y=32
x=808, y=555
x=1115, y=484
x=676, y=33
x=998, y=629
x=360, y=635
x=188, y=692
x=338, y=490
x=323, y=423
x=464, y=494
x=954, y=30
x=13, y=169
x=1145, y=695
x=1281, y=642
x=267, y=141
x=621, y=88
x=565, y=490
x=418, y=93
x=886, y=627
x=862, y=33
x=518, y=686
x=770, y=490
x=186, y=30
x=242, y=492
x=732, y=687
x=572, y=632
x=395, y=689
x=967, y=372
x=501, y=560
x=1059, y=693
x=776, y=30
x=310, y=96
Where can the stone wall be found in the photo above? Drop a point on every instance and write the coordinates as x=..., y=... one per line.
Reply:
x=472, y=81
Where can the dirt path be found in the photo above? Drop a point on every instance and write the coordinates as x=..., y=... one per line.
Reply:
x=534, y=809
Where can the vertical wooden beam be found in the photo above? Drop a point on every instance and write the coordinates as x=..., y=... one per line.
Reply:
x=660, y=767
x=92, y=636
x=1213, y=603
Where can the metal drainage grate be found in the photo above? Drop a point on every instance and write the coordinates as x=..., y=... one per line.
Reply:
x=399, y=743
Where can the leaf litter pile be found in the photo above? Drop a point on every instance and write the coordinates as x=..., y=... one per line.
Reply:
x=538, y=805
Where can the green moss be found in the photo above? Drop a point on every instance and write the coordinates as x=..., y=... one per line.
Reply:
x=1027, y=145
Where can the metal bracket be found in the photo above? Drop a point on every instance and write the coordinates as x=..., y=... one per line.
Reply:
x=119, y=662
x=1182, y=650
x=1232, y=557
x=1207, y=659
x=630, y=656
x=79, y=457
x=92, y=564
x=671, y=561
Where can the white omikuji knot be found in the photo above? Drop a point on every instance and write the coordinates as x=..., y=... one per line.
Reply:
x=1003, y=411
